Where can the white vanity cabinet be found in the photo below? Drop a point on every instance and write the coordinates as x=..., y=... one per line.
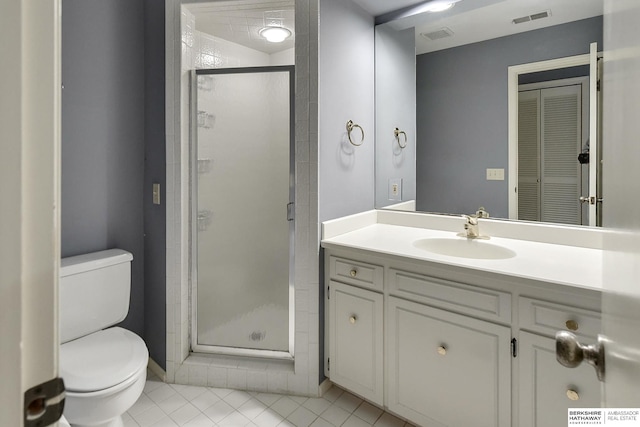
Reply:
x=546, y=388
x=445, y=369
x=356, y=328
x=443, y=345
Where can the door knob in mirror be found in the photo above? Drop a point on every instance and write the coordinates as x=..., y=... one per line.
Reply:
x=570, y=353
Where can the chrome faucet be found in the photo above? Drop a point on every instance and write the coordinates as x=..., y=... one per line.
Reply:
x=471, y=226
x=471, y=223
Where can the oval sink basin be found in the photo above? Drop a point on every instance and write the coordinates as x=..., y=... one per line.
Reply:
x=464, y=248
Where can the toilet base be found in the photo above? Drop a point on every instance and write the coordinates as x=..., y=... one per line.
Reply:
x=116, y=422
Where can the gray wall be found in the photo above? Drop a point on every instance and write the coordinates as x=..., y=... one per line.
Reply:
x=154, y=172
x=103, y=134
x=346, y=92
x=395, y=108
x=462, y=114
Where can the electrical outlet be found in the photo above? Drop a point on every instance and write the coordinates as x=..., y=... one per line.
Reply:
x=495, y=174
x=156, y=194
x=395, y=189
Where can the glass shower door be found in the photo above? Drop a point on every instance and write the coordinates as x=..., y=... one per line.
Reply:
x=242, y=187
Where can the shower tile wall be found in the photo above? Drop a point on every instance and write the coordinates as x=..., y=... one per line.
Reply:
x=228, y=372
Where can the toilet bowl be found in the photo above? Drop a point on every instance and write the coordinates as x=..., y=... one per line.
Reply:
x=104, y=368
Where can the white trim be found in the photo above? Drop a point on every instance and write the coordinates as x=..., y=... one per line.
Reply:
x=513, y=72
x=157, y=369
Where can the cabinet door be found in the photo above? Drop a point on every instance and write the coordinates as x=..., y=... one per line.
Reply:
x=355, y=341
x=445, y=369
x=548, y=389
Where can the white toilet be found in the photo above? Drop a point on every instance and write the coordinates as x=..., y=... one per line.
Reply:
x=104, y=370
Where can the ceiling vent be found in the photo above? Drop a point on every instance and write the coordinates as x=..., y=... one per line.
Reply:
x=540, y=15
x=438, y=34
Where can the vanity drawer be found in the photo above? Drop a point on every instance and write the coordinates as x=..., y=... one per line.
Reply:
x=467, y=299
x=548, y=318
x=356, y=273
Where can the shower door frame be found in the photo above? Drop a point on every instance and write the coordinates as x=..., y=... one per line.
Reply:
x=193, y=215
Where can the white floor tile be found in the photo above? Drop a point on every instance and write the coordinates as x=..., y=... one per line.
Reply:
x=268, y=418
x=161, y=393
x=172, y=403
x=205, y=400
x=388, y=420
x=252, y=408
x=219, y=411
x=302, y=417
x=268, y=398
x=321, y=422
x=368, y=412
x=237, y=398
x=333, y=394
x=200, y=421
x=149, y=417
x=285, y=406
x=335, y=415
x=348, y=402
x=354, y=421
x=234, y=419
x=317, y=405
x=164, y=405
x=128, y=421
x=185, y=414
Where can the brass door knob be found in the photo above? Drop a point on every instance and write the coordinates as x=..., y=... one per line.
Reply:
x=442, y=350
x=353, y=319
x=571, y=325
x=353, y=272
x=573, y=395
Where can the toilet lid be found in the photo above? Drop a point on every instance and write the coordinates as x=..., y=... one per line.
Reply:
x=102, y=360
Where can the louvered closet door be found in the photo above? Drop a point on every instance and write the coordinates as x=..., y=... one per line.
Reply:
x=529, y=155
x=561, y=113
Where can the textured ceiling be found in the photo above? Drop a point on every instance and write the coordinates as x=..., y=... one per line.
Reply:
x=239, y=21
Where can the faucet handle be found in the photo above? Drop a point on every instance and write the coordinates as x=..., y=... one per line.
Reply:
x=481, y=213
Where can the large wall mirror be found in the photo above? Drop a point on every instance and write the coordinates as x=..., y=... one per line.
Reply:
x=491, y=103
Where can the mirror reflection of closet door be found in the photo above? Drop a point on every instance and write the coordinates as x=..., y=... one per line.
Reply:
x=549, y=141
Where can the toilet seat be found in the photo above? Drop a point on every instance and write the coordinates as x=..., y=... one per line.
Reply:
x=102, y=360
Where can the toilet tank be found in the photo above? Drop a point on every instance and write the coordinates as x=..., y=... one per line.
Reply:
x=94, y=292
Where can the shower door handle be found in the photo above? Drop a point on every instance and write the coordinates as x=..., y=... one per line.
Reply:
x=290, y=211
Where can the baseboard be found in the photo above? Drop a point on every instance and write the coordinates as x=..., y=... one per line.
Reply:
x=157, y=369
x=324, y=387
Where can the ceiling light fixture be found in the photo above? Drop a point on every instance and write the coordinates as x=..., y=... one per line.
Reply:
x=439, y=5
x=275, y=34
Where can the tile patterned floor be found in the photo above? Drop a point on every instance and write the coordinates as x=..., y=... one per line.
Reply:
x=170, y=405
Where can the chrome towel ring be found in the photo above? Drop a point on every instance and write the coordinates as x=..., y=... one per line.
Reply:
x=350, y=127
x=397, y=134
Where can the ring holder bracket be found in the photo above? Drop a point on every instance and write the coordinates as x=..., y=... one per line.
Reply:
x=397, y=132
x=350, y=127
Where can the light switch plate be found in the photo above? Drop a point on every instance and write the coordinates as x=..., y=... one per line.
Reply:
x=495, y=174
x=156, y=194
x=395, y=189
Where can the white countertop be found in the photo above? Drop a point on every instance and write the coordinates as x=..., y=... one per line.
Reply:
x=555, y=263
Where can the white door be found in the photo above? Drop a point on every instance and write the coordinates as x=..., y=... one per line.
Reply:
x=29, y=190
x=621, y=131
x=594, y=153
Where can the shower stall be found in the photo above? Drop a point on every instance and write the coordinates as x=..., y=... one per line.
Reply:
x=242, y=230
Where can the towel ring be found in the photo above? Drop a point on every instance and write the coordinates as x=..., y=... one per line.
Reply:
x=399, y=132
x=350, y=127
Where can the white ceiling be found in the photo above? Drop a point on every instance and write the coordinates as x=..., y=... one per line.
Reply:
x=477, y=20
x=380, y=7
x=470, y=20
x=239, y=21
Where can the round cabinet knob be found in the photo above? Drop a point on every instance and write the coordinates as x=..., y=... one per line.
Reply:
x=353, y=319
x=442, y=350
x=571, y=325
x=353, y=272
x=573, y=395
